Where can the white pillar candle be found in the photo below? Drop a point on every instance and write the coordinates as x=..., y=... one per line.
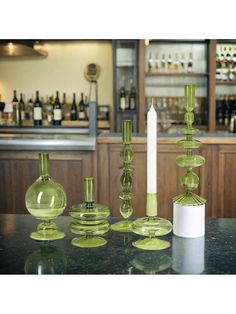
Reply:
x=152, y=150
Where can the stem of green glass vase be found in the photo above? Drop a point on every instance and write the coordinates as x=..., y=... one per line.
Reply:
x=44, y=164
x=89, y=192
x=126, y=131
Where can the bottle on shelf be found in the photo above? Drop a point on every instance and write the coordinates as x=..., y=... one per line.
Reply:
x=22, y=108
x=16, y=111
x=218, y=66
x=64, y=107
x=122, y=98
x=2, y=106
x=29, y=109
x=132, y=98
x=57, y=110
x=86, y=103
x=190, y=63
x=163, y=63
x=73, y=112
x=157, y=63
x=150, y=62
x=169, y=63
x=82, y=113
x=176, y=63
x=37, y=110
x=182, y=63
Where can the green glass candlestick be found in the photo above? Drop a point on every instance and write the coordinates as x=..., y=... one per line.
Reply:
x=46, y=200
x=90, y=219
x=126, y=181
x=151, y=227
x=189, y=161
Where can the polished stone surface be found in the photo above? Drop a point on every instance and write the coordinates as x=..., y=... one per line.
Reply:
x=213, y=254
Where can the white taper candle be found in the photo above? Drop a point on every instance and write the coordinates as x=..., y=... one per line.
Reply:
x=152, y=150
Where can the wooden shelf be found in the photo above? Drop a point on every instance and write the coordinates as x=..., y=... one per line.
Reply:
x=226, y=83
x=175, y=74
x=103, y=124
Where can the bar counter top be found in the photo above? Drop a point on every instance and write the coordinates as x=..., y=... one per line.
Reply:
x=213, y=254
x=165, y=138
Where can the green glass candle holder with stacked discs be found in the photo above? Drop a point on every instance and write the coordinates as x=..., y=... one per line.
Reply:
x=189, y=180
x=45, y=199
x=90, y=219
x=151, y=227
x=126, y=180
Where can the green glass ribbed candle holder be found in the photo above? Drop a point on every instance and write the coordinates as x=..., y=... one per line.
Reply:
x=189, y=180
x=126, y=180
x=90, y=219
x=45, y=199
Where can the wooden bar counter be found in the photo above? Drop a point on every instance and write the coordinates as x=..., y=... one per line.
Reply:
x=69, y=165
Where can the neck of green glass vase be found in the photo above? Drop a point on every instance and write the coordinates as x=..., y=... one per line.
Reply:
x=44, y=164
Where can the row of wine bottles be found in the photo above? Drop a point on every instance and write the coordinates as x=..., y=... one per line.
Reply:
x=127, y=99
x=226, y=63
x=53, y=110
x=225, y=109
x=176, y=64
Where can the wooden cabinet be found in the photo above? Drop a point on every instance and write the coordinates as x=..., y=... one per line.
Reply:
x=20, y=169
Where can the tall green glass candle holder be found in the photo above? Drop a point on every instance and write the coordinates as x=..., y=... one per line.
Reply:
x=45, y=199
x=189, y=208
x=126, y=181
x=90, y=219
x=151, y=226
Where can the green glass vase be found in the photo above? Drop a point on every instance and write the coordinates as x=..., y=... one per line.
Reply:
x=90, y=219
x=126, y=180
x=45, y=199
x=46, y=260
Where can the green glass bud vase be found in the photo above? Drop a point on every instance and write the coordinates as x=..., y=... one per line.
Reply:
x=46, y=260
x=90, y=219
x=45, y=199
x=126, y=180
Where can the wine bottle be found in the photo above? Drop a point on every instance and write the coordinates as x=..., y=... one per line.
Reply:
x=150, y=62
x=82, y=115
x=157, y=62
x=86, y=107
x=22, y=108
x=176, y=63
x=37, y=110
x=122, y=98
x=64, y=107
x=170, y=63
x=57, y=112
x=15, y=105
x=132, y=98
x=190, y=63
x=73, y=112
x=182, y=63
x=163, y=62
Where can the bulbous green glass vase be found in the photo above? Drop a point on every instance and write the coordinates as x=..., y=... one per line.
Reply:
x=90, y=219
x=45, y=199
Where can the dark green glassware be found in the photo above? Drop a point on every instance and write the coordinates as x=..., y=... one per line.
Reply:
x=190, y=180
x=90, y=219
x=126, y=179
x=45, y=199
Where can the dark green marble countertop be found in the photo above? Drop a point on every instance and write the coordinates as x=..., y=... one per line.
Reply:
x=213, y=254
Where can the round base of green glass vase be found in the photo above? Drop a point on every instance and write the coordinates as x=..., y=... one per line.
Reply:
x=84, y=229
x=122, y=226
x=88, y=242
x=152, y=226
x=151, y=244
x=47, y=235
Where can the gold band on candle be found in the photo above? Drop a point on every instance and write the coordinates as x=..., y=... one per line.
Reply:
x=151, y=204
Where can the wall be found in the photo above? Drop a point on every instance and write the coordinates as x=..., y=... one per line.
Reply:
x=62, y=70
